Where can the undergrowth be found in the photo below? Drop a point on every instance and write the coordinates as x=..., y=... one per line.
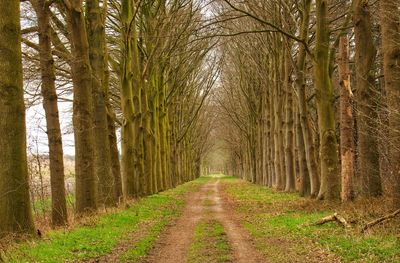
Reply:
x=210, y=244
x=99, y=235
x=280, y=224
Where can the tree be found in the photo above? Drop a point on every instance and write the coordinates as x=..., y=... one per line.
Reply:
x=367, y=114
x=300, y=70
x=346, y=122
x=390, y=26
x=50, y=100
x=86, y=191
x=289, y=136
x=95, y=17
x=15, y=208
x=330, y=180
x=130, y=138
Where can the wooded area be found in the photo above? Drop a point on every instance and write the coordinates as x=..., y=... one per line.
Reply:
x=301, y=96
x=305, y=77
x=131, y=65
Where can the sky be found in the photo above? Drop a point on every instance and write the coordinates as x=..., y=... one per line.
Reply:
x=35, y=118
x=36, y=129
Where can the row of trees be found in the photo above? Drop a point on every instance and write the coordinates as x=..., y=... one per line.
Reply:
x=303, y=76
x=137, y=65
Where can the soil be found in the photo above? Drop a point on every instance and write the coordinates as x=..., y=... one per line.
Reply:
x=209, y=203
x=124, y=245
x=242, y=245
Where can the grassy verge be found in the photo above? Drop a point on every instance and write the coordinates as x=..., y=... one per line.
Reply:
x=43, y=206
x=143, y=246
x=210, y=244
x=278, y=222
x=100, y=235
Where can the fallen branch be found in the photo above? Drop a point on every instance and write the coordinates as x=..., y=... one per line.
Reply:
x=335, y=217
x=380, y=220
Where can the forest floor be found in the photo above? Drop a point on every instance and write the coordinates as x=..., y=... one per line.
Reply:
x=219, y=219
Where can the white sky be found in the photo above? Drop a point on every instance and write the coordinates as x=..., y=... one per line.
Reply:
x=36, y=129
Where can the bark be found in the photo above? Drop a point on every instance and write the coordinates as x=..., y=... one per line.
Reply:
x=138, y=120
x=301, y=87
x=50, y=99
x=15, y=207
x=268, y=141
x=273, y=169
x=158, y=159
x=86, y=191
x=282, y=144
x=151, y=92
x=98, y=62
x=375, y=222
x=115, y=162
x=367, y=115
x=346, y=122
x=330, y=180
x=279, y=155
x=289, y=136
x=163, y=139
x=265, y=136
x=148, y=175
x=128, y=133
x=335, y=217
x=174, y=152
x=390, y=21
x=305, y=186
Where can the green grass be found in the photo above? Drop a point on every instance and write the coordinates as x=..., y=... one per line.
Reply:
x=210, y=244
x=44, y=205
x=102, y=235
x=222, y=244
x=215, y=176
x=279, y=225
x=142, y=247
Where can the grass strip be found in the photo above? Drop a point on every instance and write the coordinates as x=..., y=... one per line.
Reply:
x=210, y=244
x=103, y=233
x=278, y=222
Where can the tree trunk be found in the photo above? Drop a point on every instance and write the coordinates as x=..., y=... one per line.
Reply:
x=98, y=61
x=163, y=139
x=50, y=99
x=265, y=139
x=128, y=133
x=157, y=138
x=273, y=169
x=86, y=191
x=289, y=136
x=115, y=163
x=279, y=155
x=330, y=180
x=301, y=87
x=147, y=144
x=367, y=104
x=346, y=122
x=305, y=186
x=390, y=27
x=15, y=206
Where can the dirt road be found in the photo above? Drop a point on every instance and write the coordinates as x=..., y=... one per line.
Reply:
x=209, y=203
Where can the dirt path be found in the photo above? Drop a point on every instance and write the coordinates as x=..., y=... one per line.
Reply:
x=243, y=248
x=174, y=242
x=209, y=202
x=124, y=245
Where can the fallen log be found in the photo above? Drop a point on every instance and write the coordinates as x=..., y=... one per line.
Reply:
x=335, y=217
x=380, y=220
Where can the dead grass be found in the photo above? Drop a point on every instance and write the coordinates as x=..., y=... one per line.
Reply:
x=280, y=224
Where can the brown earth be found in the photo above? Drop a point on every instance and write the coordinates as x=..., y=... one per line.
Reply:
x=174, y=243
